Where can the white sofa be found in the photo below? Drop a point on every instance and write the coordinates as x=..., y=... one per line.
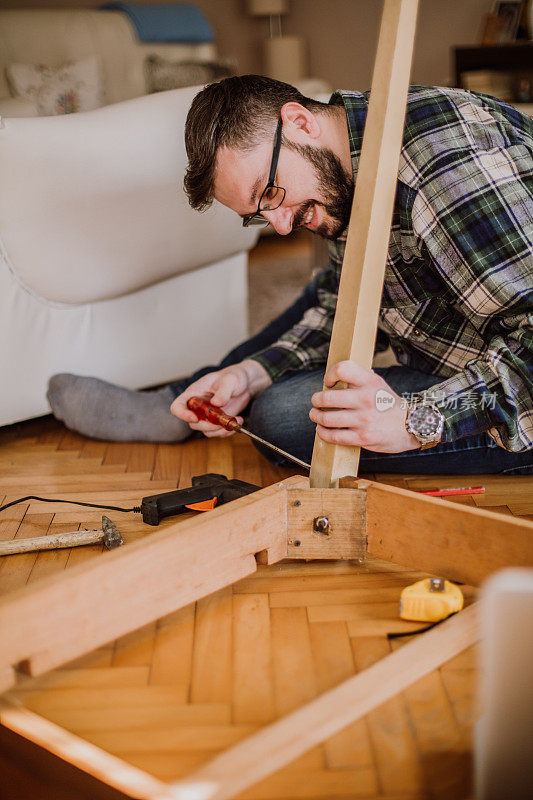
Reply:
x=105, y=270
x=57, y=36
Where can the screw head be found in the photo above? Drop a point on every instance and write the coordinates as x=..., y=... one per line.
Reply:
x=321, y=525
x=297, y=503
x=297, y=543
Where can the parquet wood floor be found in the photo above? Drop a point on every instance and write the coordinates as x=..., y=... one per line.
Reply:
x=168, y=697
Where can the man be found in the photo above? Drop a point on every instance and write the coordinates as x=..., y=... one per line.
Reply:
x=457, y=299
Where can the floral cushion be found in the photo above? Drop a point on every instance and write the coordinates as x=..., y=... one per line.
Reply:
x=61, y=90
x=163, y=74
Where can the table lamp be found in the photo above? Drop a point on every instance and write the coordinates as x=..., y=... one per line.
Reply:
x=283, y=56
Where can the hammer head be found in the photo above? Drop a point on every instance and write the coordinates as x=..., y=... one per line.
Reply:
x=112, y=536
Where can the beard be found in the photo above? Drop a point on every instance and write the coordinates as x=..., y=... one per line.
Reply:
x=336, y=186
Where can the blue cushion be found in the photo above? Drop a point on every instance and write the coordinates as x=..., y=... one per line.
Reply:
x=166, y=22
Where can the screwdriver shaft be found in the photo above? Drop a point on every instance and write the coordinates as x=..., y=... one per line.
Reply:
x=276, y=449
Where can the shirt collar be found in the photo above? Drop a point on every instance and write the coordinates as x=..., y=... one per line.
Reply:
x=356, y=108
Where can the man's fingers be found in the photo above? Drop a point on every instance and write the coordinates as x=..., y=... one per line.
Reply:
x=348, y=372
x=336, y=419
x=336, y=398
x=204, y=427
x=211, y=431
x=346, y=436
x=227, y=389
x=179, y=409
x=224, y=388
x=202, y=387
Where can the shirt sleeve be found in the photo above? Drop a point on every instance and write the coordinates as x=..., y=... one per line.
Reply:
x=492, y=394
x=477, y=226
x=306, y=345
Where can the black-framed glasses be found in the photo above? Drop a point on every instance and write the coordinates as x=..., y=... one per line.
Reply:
x=272, y=196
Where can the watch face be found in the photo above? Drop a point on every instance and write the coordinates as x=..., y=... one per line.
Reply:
x=424, y=420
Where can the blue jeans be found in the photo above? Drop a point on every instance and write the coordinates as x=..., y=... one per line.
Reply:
x=280, y=414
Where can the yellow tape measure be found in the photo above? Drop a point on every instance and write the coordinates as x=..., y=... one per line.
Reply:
x=430, y=600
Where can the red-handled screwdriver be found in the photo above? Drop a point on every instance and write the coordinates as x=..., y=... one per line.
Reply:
x=204, y=410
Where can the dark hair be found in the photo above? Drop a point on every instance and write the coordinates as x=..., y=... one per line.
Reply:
x=237, y=112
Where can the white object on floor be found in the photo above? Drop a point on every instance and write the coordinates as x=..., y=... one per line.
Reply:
x=504, y=734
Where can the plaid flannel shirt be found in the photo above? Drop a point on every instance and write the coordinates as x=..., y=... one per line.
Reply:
x=458, y=293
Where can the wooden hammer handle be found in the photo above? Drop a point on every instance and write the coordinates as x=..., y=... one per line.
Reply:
x=53, y=542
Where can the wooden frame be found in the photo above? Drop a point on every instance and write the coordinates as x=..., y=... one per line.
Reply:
x=123, y=591
x=365, y=257
x=126, y=589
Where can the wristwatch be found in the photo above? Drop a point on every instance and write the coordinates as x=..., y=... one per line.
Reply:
x=426, y=422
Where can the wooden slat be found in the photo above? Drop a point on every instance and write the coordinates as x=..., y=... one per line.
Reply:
x=15, y=570
x=461, y=686
x=460, y=543
x=142, y=718
x=113, y=699
x=442, y=744
x=71, y=441
x=281, y=742
x=253, y=695
x=212, y=646
x=141, y=457
x=333, y=580
x=127, y=588
x=88, y=679
x=294, y=675
x=173, y=737
x=117, y=455
x=167, y=462
x=16, y=722
x=193, y=461
x=220, y=457
x=333, y=659
x=363, y=270
x=135, y=649
x=172, y=658
x=354, y=611
x=394, y=746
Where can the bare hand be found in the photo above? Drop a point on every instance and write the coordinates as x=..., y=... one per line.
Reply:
x=368, y=413
x=230, y=388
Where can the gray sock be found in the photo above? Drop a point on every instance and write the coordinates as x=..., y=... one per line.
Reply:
x=103, y=411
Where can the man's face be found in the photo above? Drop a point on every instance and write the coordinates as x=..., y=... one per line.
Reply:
x=318, y=190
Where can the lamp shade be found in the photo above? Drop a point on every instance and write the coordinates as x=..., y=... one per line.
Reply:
x=285, y=58
x=267, y=8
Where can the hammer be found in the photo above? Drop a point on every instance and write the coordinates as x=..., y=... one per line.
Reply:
x=108, y=534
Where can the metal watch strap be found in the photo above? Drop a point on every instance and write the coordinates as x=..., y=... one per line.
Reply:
x=427, y=445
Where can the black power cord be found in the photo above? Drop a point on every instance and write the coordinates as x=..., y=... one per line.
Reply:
x=420, y=630
x=135, y=509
